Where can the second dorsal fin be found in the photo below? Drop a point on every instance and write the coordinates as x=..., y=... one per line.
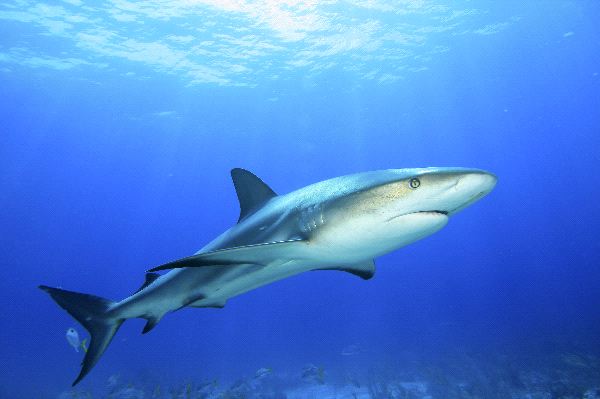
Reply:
x=252, y=192
x=150, y=277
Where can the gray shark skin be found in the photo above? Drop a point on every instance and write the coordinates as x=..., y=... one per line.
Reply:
x=337, y=224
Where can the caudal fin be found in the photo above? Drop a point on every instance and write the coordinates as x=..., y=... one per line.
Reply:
x=90, y=311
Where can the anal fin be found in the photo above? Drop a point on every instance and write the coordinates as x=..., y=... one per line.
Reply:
x=150, y=324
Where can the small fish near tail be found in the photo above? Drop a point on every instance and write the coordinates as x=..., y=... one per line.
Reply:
x=90, y=311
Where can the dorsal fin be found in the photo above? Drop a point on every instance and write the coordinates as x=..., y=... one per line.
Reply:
x=150, y=277
x=251, y=191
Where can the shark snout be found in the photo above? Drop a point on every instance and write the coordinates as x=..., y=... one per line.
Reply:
x=469, y=187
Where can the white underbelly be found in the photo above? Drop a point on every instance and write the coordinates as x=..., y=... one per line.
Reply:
x=363, y=238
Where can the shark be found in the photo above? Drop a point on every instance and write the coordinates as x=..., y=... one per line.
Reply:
x=342, y=224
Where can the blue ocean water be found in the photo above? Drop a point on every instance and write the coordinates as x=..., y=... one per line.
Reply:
x=120, y=122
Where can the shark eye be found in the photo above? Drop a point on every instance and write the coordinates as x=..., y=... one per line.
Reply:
x=414, y=183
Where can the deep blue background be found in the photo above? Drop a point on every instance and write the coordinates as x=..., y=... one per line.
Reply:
x=91, y=196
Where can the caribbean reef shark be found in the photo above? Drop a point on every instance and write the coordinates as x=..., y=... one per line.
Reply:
x=337, y=224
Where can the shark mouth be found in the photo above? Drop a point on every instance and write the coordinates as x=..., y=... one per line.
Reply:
x=440, y=212
x=434, y=212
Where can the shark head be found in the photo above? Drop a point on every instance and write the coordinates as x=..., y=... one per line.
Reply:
x=433, y=190
x=397, y=207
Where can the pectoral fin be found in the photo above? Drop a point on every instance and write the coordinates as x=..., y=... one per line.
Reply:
x=257, y=254
x=364, y=270
x=219, y=304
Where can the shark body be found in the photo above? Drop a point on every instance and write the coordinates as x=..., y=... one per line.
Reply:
x=337, y=224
